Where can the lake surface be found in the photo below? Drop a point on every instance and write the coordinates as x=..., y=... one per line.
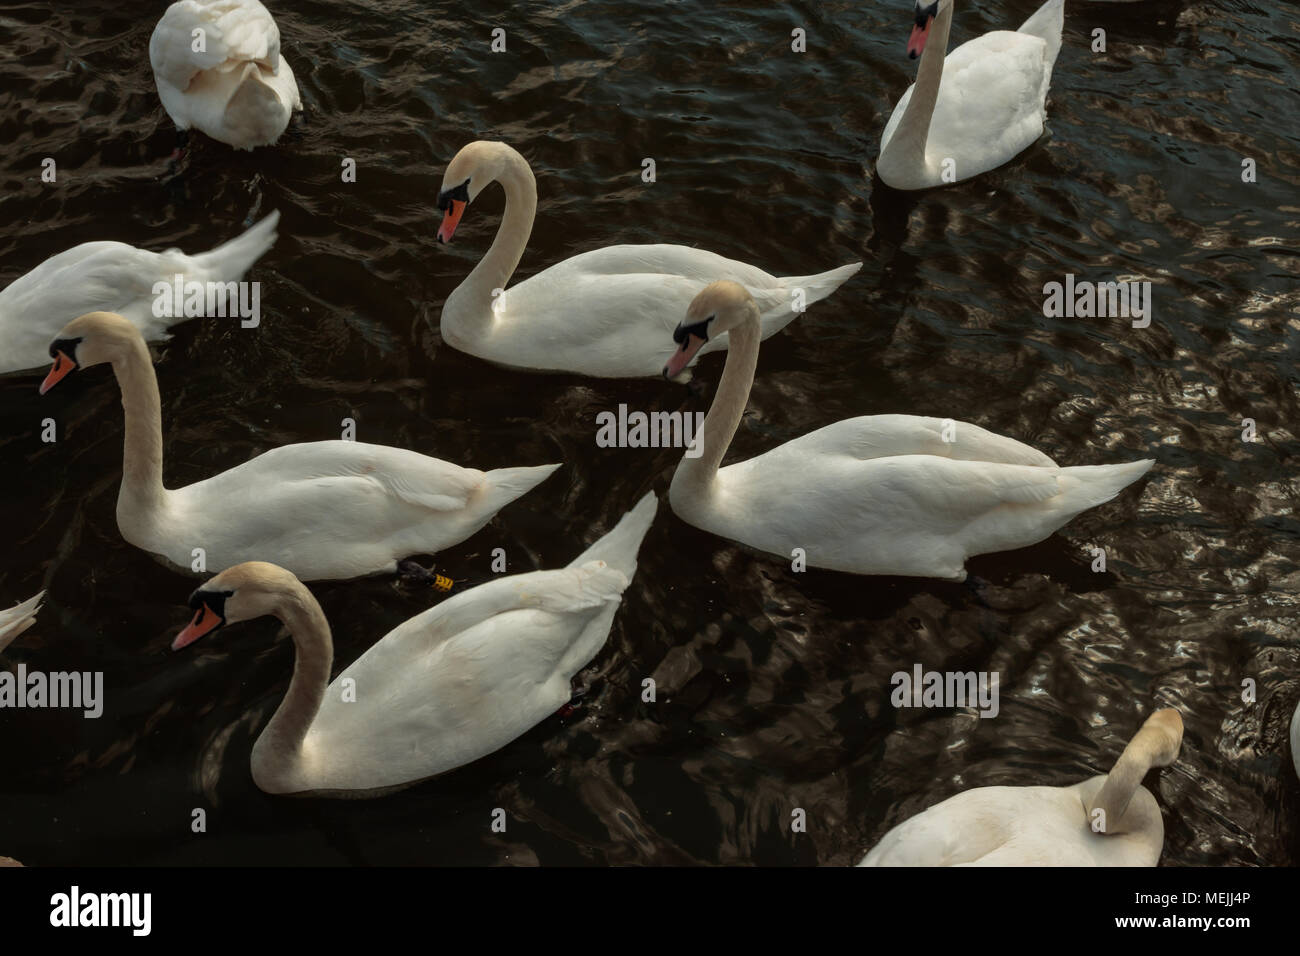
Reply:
x=773, y=687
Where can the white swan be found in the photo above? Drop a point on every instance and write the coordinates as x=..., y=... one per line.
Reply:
x=880, y=494
x=602, y=313
x=18, y=619
x=1295, y=739
x=990, y=106
x=1108, y=820
x=324, y=510
x=236, y=87
x=446, y=687
x=113, y=277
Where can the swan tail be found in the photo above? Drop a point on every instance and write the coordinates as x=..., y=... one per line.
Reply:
x=19, y=618
x=818, y=287
x=504, y=485
x=619, y=546
x=1046, y=23
x=1086, y=486
x=230, y=260
x=255, y=114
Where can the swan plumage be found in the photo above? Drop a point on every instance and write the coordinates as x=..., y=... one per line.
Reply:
x=324, y=510
x=446, y=687
x=1047, y=826
x=878, y=494
x=17, y=619
x=111, y=277
x=237, y=89
x=604, y=312
x=986, y=100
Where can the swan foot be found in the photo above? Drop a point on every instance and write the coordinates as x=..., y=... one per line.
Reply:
x=414, y=573
x=182, y=140
x=574, y=703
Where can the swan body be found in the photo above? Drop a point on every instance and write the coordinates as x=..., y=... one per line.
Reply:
x=990, y=106
x=1046, y=826
x=1295, y=739
x=238, y=89
x=446, y=687
x=17, y=619
x=113, y=277
x=323, y=510
x=603, y=313
x=878, y=494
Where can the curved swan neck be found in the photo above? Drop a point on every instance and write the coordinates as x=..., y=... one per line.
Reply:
x=281, y=741
x=909, y=139
x=1156, y=744
x=142, y=442
x=728, y=406
x=499, y=263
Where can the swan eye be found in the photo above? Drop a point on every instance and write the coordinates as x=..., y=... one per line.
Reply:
x=926, y=13
x=67, y=346
x=699, y=329
x=459, y=193
x=213, y=599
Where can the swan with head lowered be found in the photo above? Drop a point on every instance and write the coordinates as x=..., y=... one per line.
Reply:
x=446, y=687
x=974, y=109
x=1108, y=820
x=879, y=494
x=218, y=68
x=114, y=277
x=324, y=509
x=603, y=313
x=18, y=619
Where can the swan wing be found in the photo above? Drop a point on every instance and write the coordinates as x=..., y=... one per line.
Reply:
x=234, y=32
x=460, y=680
x=883, y=436
x=18, y=618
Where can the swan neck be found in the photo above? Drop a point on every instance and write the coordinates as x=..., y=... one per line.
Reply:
x=494, y=270
x=142, y=444
x=913, y=129
x=280, y=744
x=1121, y=783
x=729, y=403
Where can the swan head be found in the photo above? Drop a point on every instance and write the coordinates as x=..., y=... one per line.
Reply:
x=469, y=171
x=89, y=339
x=718, y=307
x=925, y=13
x=248, y=590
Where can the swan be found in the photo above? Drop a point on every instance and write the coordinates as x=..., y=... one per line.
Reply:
x=1107, y=820
x=1295, y=739
x=236, y=88
x=990, y=106
x=324, y=510
x=602, y=313
x=115, y=277
x=18, y=619
x=879, y=494
x=446, y=687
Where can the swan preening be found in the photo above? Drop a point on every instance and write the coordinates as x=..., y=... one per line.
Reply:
x=1108, y=820
x=17, y=619
x=323, y=510
x=602, y=313
x=879, y=494
x=218, y=68
x=974, y=109
x=112, y=277
x=446, y=687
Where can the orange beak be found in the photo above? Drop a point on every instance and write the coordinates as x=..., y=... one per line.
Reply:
x=682, y=357
x=916, y=42
x=205, y=621
x=450, y=220
x=59, y=371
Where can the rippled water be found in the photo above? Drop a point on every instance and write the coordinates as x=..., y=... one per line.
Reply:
x=773, y=687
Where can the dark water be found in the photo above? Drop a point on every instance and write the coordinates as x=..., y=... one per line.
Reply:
x=773, y=687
